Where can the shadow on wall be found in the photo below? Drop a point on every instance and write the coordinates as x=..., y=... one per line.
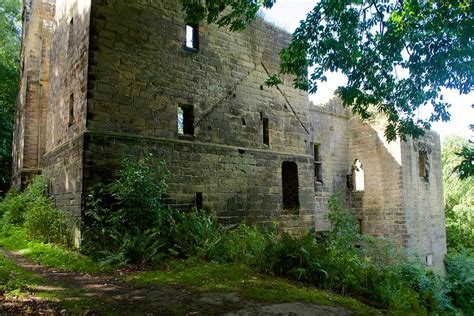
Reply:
x=377, y=200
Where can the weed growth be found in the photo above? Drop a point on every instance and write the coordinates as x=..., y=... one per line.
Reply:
x=34, y=210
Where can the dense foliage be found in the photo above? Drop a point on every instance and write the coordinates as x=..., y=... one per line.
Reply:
x=460, y=274
x=397, y=55
x=459, y=198
x=10, y=28
x=465, y=169
x=345, y=262
x=127, y=223
x=34, y=210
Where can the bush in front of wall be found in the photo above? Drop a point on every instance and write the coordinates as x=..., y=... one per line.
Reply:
x=460, y=274
x=34, y=210
x=125, y=221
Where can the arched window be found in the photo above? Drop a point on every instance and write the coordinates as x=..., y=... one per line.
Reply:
x=358, y=176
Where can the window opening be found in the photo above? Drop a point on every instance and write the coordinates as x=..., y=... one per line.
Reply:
x=423, y=164
x=198, y=200
x=318, y=170
x=266, y=132
x=71, y=110
x=243, y=122
x=290, y=186
x=185, y=120
x=70, y=33
x=429, y=260
x=192, y=37
x=358, y=176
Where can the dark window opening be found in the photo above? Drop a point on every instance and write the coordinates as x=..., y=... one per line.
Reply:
x=243, y=122
x=261, y=87
x=423, y=164
x=71, y=110
x=241, y=151
x=290, y=186
x=186, y=120
x=198, y=200
x=349, y=183
x=192, y=37
x=266, y=132
x=318, y=168
x=70, y=38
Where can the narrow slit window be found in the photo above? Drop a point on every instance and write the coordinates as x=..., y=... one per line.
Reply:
x=192, y=37
x=266, y=132
x=198, y=200
x=70, y=38
x=71, y=110
x=423, y=164
x=290, y=186
x=358, y=176
x=185, y=120
x=318, y=169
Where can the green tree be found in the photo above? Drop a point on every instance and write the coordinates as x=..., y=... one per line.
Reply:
x=465, y=169
x=10, y=34
x=459, y=197
x=397, y=54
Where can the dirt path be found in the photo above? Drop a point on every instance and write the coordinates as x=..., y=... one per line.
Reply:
x=99, y=295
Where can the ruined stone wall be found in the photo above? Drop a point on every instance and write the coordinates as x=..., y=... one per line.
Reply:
x=380, y=206
x=140, y=74
x=329, y=127
x=67, y=103
x=30, y=122
x=423, y=198
x=68, y=80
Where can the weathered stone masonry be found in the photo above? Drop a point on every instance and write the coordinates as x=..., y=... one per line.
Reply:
x=116, y=79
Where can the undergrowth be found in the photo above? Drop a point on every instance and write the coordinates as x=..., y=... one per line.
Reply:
x=34, y=210
x=126, y=223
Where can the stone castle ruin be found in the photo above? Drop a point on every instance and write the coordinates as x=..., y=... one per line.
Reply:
x=104, y=79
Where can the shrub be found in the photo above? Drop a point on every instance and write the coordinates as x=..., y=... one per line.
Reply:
x=296, y=257
x=193, y=234
x=125, y=221
x=13, y=208
x=460, y=274
x=34, y=210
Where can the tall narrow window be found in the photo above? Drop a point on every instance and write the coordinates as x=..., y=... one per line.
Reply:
x=266, y=132
x=185, y=120
x=318, y=170
x=71, y=110
x=192, y=37
x=423, y=164
x=358, y=176
x=70, y=38
x=198, y=200
x=290, y=186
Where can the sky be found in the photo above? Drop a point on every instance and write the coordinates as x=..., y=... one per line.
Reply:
x=287, y=14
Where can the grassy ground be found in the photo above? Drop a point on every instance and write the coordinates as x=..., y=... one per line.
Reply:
x=211, y=277
x=193, y=275
x=49, y=255
x=31, y=290
x=15, y=281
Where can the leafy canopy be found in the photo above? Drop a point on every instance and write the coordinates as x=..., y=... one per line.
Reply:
x=10, y=32
x=458, y=197
x=397, y=54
